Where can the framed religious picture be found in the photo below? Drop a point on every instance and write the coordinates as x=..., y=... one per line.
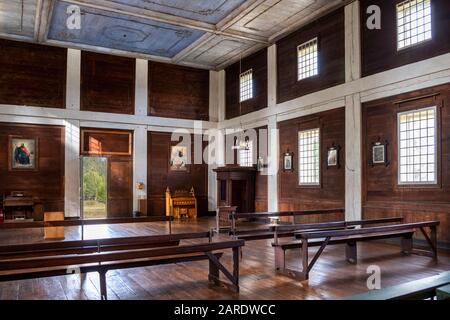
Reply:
x=178, y=159
x=333, y=156
x=288, y=161
x=379, y=153
x=23, y=153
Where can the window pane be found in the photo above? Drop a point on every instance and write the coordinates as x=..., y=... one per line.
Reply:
x=307, y=59
x=309, y=157
x=417, y=147
x=246, y=155
x=413, y=22
x=246, y=85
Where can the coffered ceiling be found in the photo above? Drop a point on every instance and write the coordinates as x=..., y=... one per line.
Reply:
x=202, y=33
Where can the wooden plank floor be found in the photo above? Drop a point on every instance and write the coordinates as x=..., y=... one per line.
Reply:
x=332, y=277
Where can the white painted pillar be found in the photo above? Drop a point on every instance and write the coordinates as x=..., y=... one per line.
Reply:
x=352, y=42
x=272, y=159
x=221, y=95
x=273, y=138
x=72, y=185
x=140, y=165
x=213, y=96
x=353, y=162
x=353, y=121
x=73, y=79
x=141, y=88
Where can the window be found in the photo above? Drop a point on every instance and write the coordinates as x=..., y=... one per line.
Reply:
x=246, y=85
x=413, y=22
x=308, y=65
x=246, y=155
x=309, y=157
x=417, y=146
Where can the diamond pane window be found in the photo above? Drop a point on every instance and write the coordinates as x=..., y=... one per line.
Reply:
x=246, y=155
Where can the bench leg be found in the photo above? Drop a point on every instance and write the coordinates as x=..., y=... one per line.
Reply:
x=407, y=245
x=103, y=287
x=351, y=252
x=280, y=258
x=304, y=275
x=214, y=274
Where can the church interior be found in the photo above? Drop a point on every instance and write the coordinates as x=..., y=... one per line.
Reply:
x=224, y=149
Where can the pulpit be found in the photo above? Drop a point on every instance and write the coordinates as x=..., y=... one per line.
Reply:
x=181, y=204
x=236, y=187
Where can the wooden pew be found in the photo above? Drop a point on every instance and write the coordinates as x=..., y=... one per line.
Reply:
x=324, y=238
x=414, y=290
x=23, y=263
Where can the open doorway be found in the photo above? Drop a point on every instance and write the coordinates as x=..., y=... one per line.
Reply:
x=94, y=175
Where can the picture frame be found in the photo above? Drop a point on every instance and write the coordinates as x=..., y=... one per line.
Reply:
x=333, y=154
x=288, y=164
x=23, y=153
x=178, y=159
x=379, y=153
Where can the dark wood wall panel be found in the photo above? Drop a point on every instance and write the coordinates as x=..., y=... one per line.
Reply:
x=159, y=177
x=331, y=46
x=107, y=83
x=106, y=142
x=258, y=63
x=331, y=192
x=32, y=75
x=178, y=92
x=47, y=182
x=379, y=47
x=382, y=196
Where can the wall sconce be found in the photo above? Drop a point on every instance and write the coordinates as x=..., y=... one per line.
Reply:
x=140, y=186
x=260, y=165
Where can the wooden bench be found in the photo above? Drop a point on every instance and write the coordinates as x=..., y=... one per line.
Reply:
x=415, y=290
x=47, y=260
x=322, y=238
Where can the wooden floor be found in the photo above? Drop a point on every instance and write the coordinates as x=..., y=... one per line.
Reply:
x=332, y=277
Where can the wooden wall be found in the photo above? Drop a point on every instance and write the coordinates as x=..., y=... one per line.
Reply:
x=107, y=83
x=258, y=63
x=331, y=192
x=45, y=183
x=32, y=75
x=117, y=146
x=331, y=46
x=379, y=47
x=178, y=92
x=382, y=196
x=159, y=177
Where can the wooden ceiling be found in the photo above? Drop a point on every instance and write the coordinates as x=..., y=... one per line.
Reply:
x=208, y=34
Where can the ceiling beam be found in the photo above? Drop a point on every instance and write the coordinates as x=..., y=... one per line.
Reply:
x=42, y=20
x=163, y=17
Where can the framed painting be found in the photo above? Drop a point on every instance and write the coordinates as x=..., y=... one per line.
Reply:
x=287, y=161
x=333, y=156
x=379, y=153
x=23, y=153
x=178, y=159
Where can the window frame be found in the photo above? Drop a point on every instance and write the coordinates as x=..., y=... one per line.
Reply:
x=414, y=45
x=316, y=39
x=317, y=184
x=251, y=151
x=251, y=91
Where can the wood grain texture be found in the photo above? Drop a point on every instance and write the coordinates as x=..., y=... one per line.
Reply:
x=46, y=183
x=178, y=92
x=258, y=63
x=32, y=75
x=381, y=193
x=106, y=142
x=159, y=177
x=331, y=192
x=379, y=47
x=331, y=46
x=107, y=83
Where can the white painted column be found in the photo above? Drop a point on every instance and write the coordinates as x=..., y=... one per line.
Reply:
x=141, y=88
x=73, y=79
x=213, y=96
x=353, y=122
x=353, y=163
x=352, y=42
x=72, y=185
x=140, y=165
x=273, y=138
x=272, y=159
x=140, y=133
x=221, y=95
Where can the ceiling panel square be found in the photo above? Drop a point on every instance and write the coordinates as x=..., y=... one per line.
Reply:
x=17, y=17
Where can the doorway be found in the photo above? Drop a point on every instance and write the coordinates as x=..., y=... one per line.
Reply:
x=94, y=178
